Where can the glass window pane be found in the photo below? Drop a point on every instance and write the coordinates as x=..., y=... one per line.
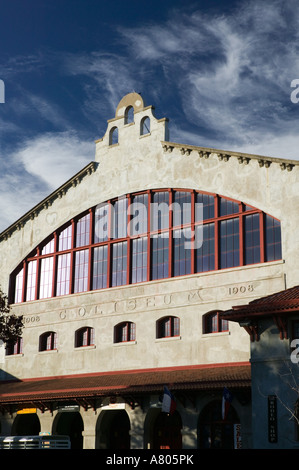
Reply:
x=160, y=211
x=145, y=126
x=46, y=278
x=65, y=239
x=181, y=254
x=252, y=239
x=82, y=231
x=100, y=255
x=176, y=326
x=19, y=286
x=101, y=223
x=31, y=280
x=181, y=207
x=81, y=271
x=138, y=214
x=205, y=255
x=159, y=256
x=119, y=264
x=139, y=260
x=119, y=218
x=229, y=243
x=132, y=331
x=63, y=274
x=227, y=207
x=273, y=239
x=48, y=248
x=208, y=204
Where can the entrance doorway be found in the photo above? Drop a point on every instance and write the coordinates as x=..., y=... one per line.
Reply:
x=69, y=424
x=26, y=425
x=113, y=430
x=213, y=431
x=167, y=431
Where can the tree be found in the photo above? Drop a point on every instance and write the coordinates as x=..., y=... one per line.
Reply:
x=11, y=325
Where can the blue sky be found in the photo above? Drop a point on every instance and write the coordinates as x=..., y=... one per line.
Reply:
x=220, y=71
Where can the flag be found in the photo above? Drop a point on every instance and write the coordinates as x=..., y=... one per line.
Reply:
x=226, y=401
x=168, y=403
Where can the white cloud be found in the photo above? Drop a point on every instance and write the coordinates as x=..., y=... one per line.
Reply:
x=112, y=74
x=54, y=157
x=232, y=73
x=36, y=169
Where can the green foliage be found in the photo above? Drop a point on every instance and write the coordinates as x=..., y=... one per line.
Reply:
x=11, y=325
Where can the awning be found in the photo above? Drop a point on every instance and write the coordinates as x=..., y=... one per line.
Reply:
x=125, y=383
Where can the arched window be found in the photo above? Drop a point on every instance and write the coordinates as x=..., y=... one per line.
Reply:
x=129, y=115
x=84, y=337
x=168, y=327
x=14, y=347
x=113, y=136
x=48, y=341
x=145, y=236
x=145, y=126
x=125, y=331
x=212, y=323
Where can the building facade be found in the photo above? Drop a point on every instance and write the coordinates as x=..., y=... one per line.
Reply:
x=121, y=275
x=272, y=324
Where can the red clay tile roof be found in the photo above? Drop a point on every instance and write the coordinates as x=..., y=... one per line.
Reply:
x=285, y=301
x=126, y=383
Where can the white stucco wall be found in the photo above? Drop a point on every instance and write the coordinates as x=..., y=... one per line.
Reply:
x=146, y=162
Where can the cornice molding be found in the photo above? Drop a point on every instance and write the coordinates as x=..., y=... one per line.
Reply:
x=225, y=155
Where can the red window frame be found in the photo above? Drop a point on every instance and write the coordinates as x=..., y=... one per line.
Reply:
x=13, y=348
x=48, y=341
x=84, y=337
x=125, y=332
x=168, y=327
x=67, y=240
x=212, y=323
